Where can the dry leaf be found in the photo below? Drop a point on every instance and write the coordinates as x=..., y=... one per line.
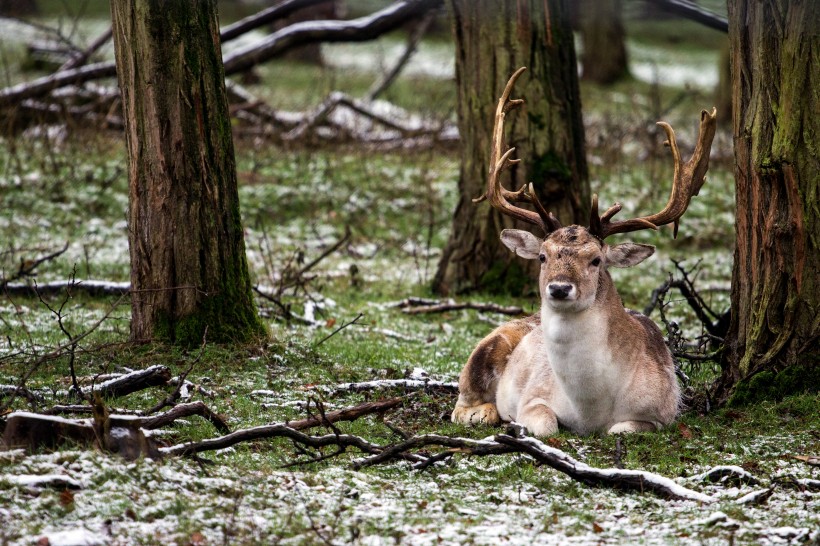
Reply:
x=812, y=460
x=66, y=497
x=597, y=528
x=331, y=322
x=685, y=431
x=197, y=539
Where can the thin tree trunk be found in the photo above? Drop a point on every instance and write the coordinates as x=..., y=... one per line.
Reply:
x=772, y=347
x=493, y=39
x=604, y=58
x=188, y=267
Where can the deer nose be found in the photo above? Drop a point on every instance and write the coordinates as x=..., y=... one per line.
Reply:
x=559, y=291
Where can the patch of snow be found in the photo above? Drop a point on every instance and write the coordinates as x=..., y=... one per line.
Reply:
x=75, y=537
x=45, y=480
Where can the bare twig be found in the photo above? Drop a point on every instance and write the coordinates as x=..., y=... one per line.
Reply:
x=57, y=353
x=27, y=268
x=340, y=328
x=412, y=43
x=72, y=349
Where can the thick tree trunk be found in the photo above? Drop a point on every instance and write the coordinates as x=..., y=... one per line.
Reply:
x=188, y=265
x=602, y=33
x=772, y=348
x=493, y=39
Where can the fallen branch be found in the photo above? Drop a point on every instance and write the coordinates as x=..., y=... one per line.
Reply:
x=726, y=474
x=240, y=60
x=26, y=269
x=347, y=414
x=615, y=478
x=434, y=306
x=407, y=384
x=152, y=376
x=79, y=58
x=690, y=10
x=184, y=410
x=633, y=480
x=88, y=287
x=357, y=30
x=264, y=17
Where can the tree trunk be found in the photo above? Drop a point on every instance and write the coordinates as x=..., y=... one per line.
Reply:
x=602, y=33
x=493, y=39
x=772, y=347
x=188, y=266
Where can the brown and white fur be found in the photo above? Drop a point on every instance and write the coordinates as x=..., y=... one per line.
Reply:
x=584, y=362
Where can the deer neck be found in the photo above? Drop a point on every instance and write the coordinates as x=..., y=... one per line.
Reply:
x=575, y=338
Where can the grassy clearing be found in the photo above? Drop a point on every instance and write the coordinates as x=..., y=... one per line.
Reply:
x=295, y=204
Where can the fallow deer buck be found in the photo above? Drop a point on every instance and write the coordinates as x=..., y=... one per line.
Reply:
x=584, y=361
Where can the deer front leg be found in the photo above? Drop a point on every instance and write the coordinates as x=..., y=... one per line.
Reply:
x=478, y=381
x=539, y=419
x=632, y=426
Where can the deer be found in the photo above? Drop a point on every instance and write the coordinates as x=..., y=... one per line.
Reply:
x=583, y=361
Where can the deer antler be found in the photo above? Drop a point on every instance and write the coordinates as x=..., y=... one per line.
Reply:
x=688, y=179
x=500, y=197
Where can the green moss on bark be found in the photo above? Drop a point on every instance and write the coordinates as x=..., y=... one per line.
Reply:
x=506, y=278
x=770, y=385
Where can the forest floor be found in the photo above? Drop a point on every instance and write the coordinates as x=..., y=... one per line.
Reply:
x=60, y=188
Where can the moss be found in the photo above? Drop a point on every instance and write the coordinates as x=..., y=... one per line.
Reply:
x=550, y=166
x=770, y=385
x=227, y=320
x=506, y=278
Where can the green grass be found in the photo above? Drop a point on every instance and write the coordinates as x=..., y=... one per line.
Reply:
x=295, y=204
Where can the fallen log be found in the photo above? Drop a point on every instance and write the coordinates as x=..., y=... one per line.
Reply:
x=356, y=30
x=89, y=287
x=152, y=376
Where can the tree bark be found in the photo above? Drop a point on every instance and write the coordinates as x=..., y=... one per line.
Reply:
x=493, y=39
x=189, y=272
x=772, y=346
x=603, y=58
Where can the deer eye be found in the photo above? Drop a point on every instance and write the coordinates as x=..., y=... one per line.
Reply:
x=596, y=262
x=542, y=258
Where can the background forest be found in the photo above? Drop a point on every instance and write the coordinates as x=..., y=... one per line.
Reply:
x=347, y=193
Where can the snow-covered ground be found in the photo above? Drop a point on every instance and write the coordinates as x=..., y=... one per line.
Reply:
x=90, y=498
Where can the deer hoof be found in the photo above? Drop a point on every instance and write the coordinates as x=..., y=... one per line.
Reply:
x=632, y=426
x=486, y=414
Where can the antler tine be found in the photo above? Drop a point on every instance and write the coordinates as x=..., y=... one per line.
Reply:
x=500, y=197
x=688, y=179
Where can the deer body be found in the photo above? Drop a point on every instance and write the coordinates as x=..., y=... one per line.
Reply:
x=584, y=361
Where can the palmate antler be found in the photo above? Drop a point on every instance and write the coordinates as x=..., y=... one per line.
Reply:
x=688, y=179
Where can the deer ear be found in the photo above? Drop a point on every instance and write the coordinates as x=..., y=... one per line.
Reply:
x=628, y=254
x=523, y=243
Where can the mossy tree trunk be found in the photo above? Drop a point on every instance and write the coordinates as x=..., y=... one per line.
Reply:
x=603, y=59
x=493, y=39
x=188, y=266
x=772, y=347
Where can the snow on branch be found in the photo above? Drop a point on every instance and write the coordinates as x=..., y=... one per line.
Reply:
x=355, y=30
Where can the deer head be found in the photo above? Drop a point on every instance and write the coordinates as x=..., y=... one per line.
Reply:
x=574, y=257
